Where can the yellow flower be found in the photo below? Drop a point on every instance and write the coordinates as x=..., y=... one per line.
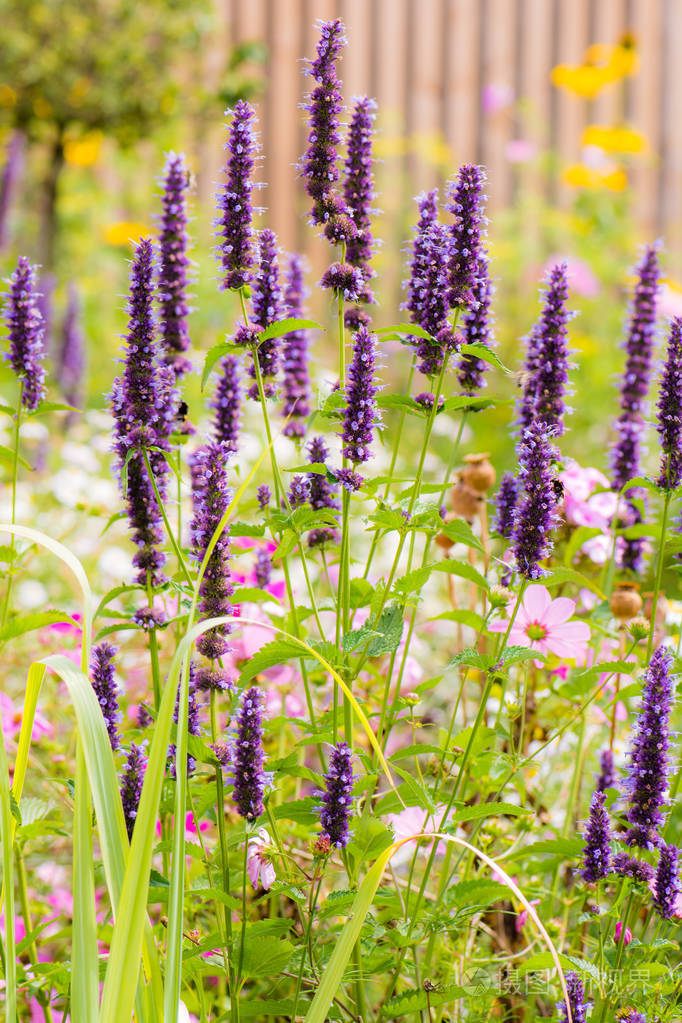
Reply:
x=85, y=151
x=614, y=139
x=578, y=175
x=8, y=96
x=583, y=80
x=601, y=66
x=125, y=231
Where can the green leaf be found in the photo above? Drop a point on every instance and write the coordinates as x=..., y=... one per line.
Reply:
x=269, y=656
x=214, y=355
x=469, y=618
x=565, y=574
x=264, y=955
x=301, y=811
x=462, y=568
x=461, y=532
x=7, y=456
x=477, y=350
x=36, y=620
x=288, y=326
x=384, y=636
x=482, y=810
x=413, y=1003
x=53, y=406
x=411, y=329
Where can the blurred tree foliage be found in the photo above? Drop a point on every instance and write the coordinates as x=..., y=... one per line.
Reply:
x=70, y=68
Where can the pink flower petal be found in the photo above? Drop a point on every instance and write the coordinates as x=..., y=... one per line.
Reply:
x=559, y=611
x=536, y=600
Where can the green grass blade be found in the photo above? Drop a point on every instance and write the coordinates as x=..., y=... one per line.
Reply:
x=6, y=822
x=84, y=960
x=177, y=879
x=36, y=674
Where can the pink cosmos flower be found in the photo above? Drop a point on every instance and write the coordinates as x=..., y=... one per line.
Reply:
x=12, y=717
x=496, y=96
x=543, y=624
x=520, y=150
x=522, y=916
x=258, y=864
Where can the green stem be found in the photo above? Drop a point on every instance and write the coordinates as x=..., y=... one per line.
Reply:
x=182, y=564
x=242, y=939
x=222, y=837
x=15, y=473
x=43, y=997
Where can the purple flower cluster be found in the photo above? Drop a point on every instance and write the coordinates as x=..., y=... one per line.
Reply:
x=551, y=355
x=597, y=852
x=361, y=413
x=606, y=778
x=345, y=280
x=299, y=491
x=466, y=201
x=505, y=504
x=263, y=569
x=25, y=326
x=667, y=881
x=131, y=784
x=70, y=364
x=670, y=411
x=477, y=329
x=647, y=781
x=143, y=403
x=193, y=720
x=319, y=163
x=629, y=866
x=336, y=799
x=211, y=497
x=535, y=515
x=263, y=496
x=234, y=228
x=267, y=305
x=296, y=383
x=322, y=494
x=227, y=405
x=106, y=690
x=359, y=192
x=576, y=999
x=247, y=756
x=173, y=265
x=427, y=287
x=11, y=174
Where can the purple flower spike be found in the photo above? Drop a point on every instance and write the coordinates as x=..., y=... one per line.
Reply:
x=323, y=494
x=606, y=778
x=477, y=329
x=551, y=356
x=25, y=326
x=263, y=496
x=106, y=690
x=299, y=491
x=670, y=410
x=319, y=165
x=267, y=305
x=597, y=852
x=70, y=365
x=535, y=516
x=505, y=501
x=667, y=881
x=344, y=280
x=427, y=287
x=647, y=782
x=234, y=227
x=359, y=192
x=131, y=784
x=9, y=178
x=361, y=413
x=247, y=756
x=295, y=355
x=629, y=866
x=263, y=569
x=211, y=497
x=466, y=201
x=193, y=720
x=227, y=405
x=335, y=810
x=576, y=999
x=143, y=403
x=173, y=265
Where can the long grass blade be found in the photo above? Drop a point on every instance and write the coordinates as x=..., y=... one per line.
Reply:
x=6, y=822
x=84, y=964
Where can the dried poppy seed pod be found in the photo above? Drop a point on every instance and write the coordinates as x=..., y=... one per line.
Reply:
x=464, y=501
x=478, y=473
x=626, y=602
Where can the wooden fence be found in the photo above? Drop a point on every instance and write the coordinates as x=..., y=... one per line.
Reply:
x=428, y=63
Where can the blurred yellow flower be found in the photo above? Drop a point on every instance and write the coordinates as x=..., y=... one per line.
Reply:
x=579, y=175
x=125, y=231
x=601, y=66
x=583, y=80
x=8, y=96
x=613, y=139
x=85, y=151
x=42, y=108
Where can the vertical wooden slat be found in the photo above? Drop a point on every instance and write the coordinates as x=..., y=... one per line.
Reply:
x=647, y=26
x=608, y=23
x=670, y=168
x=536, y=92
x=464, y=107
x=282, y=119
x=498, y=70
x=570, y=109
x=425, y=96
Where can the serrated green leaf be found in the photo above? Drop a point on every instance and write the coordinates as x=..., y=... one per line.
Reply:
x=36, y=620
x=411, y=329
x=477, y=350
x=287, y=326
x=270, y=655
x=462, y=568
x=264, y=955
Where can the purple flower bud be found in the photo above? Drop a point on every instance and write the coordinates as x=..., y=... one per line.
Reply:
x=173, y=265
x=667, y=881
x=597, y=852
x=295, y=355
x=11, y=174
x=267, y=305
x=670, y=410
x=426, y=400
x=576, y=999
x=535, y=516
x=344, y=280
x=647, y=782
x=551, y=354
x=70, y=363
x=505, y=503
x=227, y=405
x=106, y=690
x=322, y=495
x=349, y=480
x=359, y=190
x=234, y=228
x=361, y=413
x=247, y=756
x=148, y=618
x=466, y=201
x=25, y=326
x=144, y=403
x=477, y=328
x=131, y=784
x=211, y=497
x=144, y=716
x=335, y=810
x=263, y=569
x=639, y=344
x=217, y=679
x=628, y=866
x=263, y=496
x=606, y=778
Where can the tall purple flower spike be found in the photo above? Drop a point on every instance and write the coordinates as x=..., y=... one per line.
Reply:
x=9, y=178
x=466, y=201
x=361, y=414
x=211, y=496
x=234, y=223
x=647, y=782
x=477, y=329
x=193, y=721
x=267, y=307
x=667, y=881
x=322, y=494
x=143, y=402
x=606, y=778
x=337, y=797
x=25, y=326
x=173, y=265
x=525, y=407
x=535, y=515
x=227, y=405
x=247, y=756
x=296, y=384
x=505, y=505
x=551, y=354
x=319, y=164
x=428, y=283
x=359, y=193
x=670, y=411
x=131, y=784
x=576, y=999
x=629, y=427
x=597, y=852
x=70, y=365
x=106, y=690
